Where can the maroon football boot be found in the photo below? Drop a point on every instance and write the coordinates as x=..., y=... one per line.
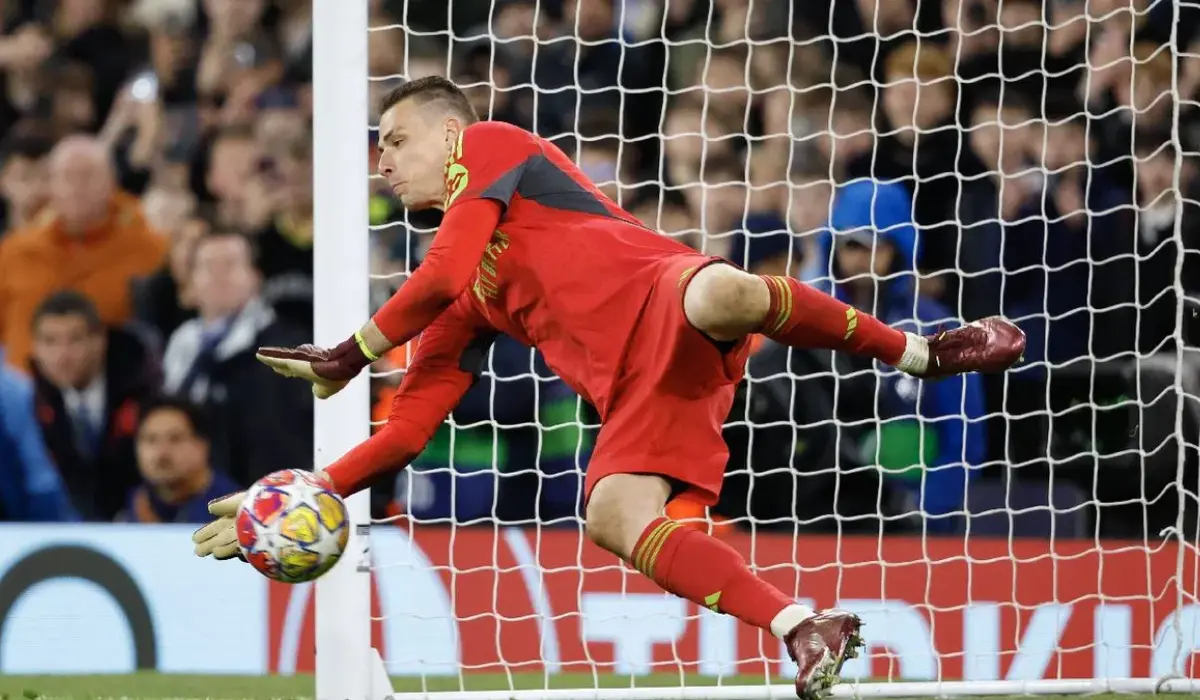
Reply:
x=820, y=645
x=988, y=345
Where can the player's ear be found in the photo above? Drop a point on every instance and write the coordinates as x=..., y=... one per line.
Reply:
x=454, y=129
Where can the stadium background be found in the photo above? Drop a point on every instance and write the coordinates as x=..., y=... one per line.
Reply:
x=1006, y=167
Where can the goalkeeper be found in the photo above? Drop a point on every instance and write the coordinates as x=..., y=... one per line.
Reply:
x=652, y=333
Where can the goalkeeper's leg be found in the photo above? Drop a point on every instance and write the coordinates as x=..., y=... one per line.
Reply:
x=726, y=303
x=624, y=516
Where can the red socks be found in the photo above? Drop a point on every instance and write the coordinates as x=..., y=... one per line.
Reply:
x=693, y=565
x=803, y=317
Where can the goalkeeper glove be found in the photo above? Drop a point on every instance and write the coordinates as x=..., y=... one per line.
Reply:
x=328, y=370
x=219, y=538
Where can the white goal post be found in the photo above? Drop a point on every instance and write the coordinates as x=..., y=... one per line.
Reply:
x=340, y=262
x=469, y=592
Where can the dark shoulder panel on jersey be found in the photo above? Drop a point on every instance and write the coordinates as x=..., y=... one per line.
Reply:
x=487, y=155
x=540, y=180
x=496, y=161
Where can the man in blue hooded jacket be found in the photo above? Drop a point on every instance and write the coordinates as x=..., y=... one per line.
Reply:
x=30, y=486
x=929, y=436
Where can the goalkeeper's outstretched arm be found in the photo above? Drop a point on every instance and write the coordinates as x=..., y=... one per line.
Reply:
x=445, y=365
x=442, y=277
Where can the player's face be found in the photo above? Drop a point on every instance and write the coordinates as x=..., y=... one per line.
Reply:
x=414, y=142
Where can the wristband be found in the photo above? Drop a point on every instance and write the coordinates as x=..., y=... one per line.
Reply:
x=362, y=346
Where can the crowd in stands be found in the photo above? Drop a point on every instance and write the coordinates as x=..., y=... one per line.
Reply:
x=931, y=163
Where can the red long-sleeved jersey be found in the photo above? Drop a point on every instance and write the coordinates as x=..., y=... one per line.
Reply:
x=528, y=247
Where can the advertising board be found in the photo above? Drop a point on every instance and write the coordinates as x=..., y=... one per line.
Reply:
x=112, y=598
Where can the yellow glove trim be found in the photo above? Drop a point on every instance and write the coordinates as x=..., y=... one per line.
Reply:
x=362, y=345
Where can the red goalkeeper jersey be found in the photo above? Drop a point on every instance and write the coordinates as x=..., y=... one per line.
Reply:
x=528, y=247
x=566, y=270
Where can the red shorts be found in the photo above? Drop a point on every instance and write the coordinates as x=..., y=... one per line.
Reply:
x=672, y=396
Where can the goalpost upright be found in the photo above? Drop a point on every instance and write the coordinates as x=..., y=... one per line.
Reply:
x=340, y=300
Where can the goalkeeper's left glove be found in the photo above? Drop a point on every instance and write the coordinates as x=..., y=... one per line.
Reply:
x=328, y=370
x=218, y=539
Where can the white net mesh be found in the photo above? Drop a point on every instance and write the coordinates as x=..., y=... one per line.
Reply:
x=929, y=162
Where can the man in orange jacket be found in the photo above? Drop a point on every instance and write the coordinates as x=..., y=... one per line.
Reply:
x=91, y=238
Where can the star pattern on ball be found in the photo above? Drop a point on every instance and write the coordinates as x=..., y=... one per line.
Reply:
x=263, y=541
x=305, y=494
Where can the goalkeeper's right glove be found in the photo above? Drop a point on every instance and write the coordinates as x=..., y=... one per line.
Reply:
x=218, y=539
x=328, y=370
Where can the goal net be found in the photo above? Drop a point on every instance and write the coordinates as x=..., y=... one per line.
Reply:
x=931, y=163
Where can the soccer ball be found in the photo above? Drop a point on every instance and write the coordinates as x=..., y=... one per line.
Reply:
x=292, y=527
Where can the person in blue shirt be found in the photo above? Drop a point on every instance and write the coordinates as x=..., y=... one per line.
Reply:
x=928, y=435
x=31, y=488
x=173, y=459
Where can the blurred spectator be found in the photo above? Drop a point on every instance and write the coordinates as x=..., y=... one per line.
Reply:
x=260, y=420
x=670, y=215
x=599, y=153
x=718, y=193
x=24, y=184
x=30, y=486
x=178, y=480
x=690, y=137
x=1004, y=206
x=811, y=200
x=722, y=81
x=90, y=382
x=928, y=436
x=593, y=71
x=233, y=159
x=91, y=237
x=925, y=149
x=1158, y=266
x=163, y=300
x=168, y=207
x=89, y=37
x=489, y=87
x=847, y=137
x=285, y=245
x=294, y=29
x=170, y=76
x=1087, y=279
x=72, y=104
x=23, y=50
x=238, y=60
x=974, y=36
x=1127, y=91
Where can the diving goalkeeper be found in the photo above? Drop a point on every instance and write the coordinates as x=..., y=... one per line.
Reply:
x=651, y=332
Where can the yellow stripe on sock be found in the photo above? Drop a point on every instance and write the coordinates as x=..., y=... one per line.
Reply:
x=851, y=322
x=771, y=322
x=652, y=557
x=785, y=304
x=641, y=556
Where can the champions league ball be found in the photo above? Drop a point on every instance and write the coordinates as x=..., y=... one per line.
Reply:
x=292, y=527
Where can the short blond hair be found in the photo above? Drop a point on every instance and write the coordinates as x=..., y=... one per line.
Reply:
x=925, y=63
